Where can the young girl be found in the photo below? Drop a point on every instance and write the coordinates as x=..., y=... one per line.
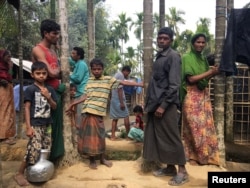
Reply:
x=136, y=132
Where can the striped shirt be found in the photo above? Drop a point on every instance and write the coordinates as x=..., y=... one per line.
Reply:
x=98, y=92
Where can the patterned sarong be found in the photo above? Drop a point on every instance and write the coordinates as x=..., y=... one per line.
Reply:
x=91, y=135
x=7, y=112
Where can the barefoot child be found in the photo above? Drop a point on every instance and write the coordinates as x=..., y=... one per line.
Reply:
x=91, y=138
x=39, y=99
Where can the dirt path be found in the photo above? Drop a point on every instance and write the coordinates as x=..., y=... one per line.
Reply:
x=122, y=174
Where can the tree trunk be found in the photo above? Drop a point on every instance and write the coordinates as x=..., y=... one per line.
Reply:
x=147, y=41
x=71, y=156
x=91, y=30
x=162, y=13
x=219, y=81
x=53, y=9
x=229, y=94
x=147, y=59
x=20, y=56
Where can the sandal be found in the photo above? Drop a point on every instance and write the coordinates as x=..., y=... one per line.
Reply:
x=169, y=171
x=179, y=179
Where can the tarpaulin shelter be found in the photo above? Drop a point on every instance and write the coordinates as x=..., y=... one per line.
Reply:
x=237, y=43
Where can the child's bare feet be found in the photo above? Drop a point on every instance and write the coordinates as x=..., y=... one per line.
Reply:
x=93, y=165
x=106, y=163
x=92, y=162
x=21, y=180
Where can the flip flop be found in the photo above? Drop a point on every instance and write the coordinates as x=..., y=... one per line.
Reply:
x=179, y=179
x=169, y=171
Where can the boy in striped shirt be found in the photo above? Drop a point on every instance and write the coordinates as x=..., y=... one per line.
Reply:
x=91, y=132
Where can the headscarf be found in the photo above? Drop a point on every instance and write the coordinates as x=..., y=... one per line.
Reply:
x=194, y=63
x=4, y=66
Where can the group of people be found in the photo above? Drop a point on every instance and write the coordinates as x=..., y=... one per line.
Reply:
x=43, y=107
x=119, y=110
x=180, y=83
x=176, y=83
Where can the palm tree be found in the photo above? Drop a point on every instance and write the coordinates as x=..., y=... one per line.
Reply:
x=52, y=9
x=162, y=13
x=138, y=26
x=183, y=42
x=20, y=55
x=147, y=41
x=121, y=27
x=174, y=19
x=113, y=37
x=147, y=57
x=229, y=95
x=91, y=29
x=138, y=34
x=131, y=61
x=203, y=26
x=70, y=156
x=219, y=80
x=156, y=22
x=113, y=61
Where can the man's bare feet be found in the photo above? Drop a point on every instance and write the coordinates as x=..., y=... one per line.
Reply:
x=106, y=163
x=21, y=180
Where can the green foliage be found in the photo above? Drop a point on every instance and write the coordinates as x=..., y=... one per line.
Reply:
x=8, y=21
x=110, y=37
x=77, y=24
x=32, y=14
x=184, y=41
x=101, y=32
x=175, y=18
x=112, y=64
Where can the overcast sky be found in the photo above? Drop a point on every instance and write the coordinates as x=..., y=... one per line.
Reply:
x=194, y=9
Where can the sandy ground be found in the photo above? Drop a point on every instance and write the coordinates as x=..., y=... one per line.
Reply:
x=123, y=174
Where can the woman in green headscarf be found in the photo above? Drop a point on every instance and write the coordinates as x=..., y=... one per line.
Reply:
x=200, y=139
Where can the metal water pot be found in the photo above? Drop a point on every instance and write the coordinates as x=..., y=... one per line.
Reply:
x=42, y=171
